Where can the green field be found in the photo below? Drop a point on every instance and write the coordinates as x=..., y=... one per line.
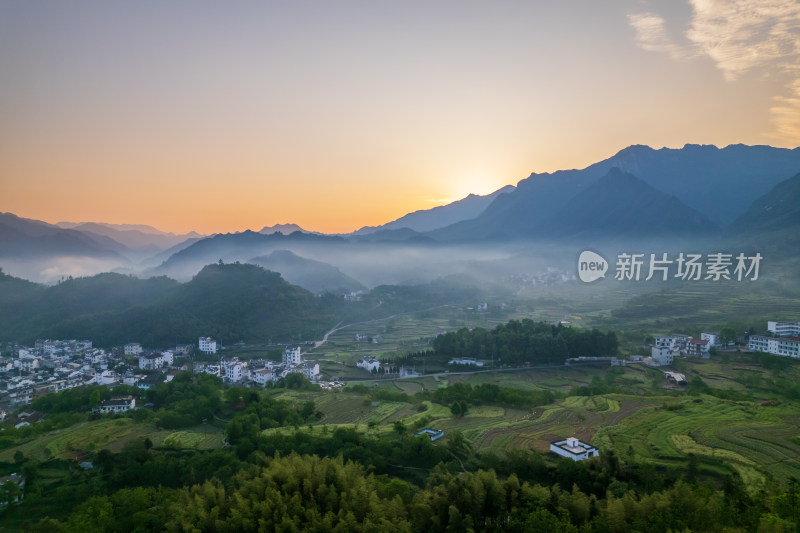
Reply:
x=81, y=440
x=651, y=421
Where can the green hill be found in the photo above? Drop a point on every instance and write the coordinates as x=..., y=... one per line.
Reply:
x=229, y=302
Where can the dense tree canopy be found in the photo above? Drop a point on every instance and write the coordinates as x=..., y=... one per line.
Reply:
x=525, y=341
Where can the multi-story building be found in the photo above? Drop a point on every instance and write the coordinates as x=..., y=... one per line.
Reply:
x=311, y=371
x=151, y=361
x=262, y=376
x=662, y=355
x=291, y=356
x=698, y=348
x=785, y=346
x=133, y=348
x=784, y=329
x=207, y=345
x=676, y=343
x=712, y=338
x=233, y=370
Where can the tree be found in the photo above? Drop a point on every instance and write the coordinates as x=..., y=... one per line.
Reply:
x=459, y=407
x=728, y=334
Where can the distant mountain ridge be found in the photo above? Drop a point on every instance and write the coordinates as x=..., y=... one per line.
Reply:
x=312, y=275
x=438, y=217
x=135, y=239
x=620, y=205
x=143, y=228
x=772, y=223
x=719, y=182
x=779, y=209
x=286, y=229
x=693, y=190
x=26, y=238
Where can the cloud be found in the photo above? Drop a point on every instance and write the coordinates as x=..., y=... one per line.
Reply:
x=786, y=114
x=740, y=36
x=651, y=35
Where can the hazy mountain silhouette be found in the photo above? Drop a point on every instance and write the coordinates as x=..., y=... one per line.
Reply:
x=778, y=210
x=440, y=216
x=620, y=205
x=236, y=247
x=772, y=223
x=22, y=238
x=286, y=229
x=135, y=239
x=720, y=183
x=229, y=302
x=312, y=275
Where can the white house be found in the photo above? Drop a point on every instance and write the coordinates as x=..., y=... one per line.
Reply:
x=291, y=356
x=662, y=355
x=207, y=345
x=107, y=377
x=698, y=348
x=262, y=376
x=712, y=338
x=27, y=364
x=233, y=370
x=784, y=329
x=183, y=349
x=133, y=348
x=465, y=361
x=574, y=449
x=151, y=361
x=676, y=343
x=214, y=370
x=785, y=346
x=369, y=363
x=311, y=371
x=168, y=357
x=120, y=404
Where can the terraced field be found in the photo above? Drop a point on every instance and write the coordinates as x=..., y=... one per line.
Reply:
x=75, y=442
x=756, y=441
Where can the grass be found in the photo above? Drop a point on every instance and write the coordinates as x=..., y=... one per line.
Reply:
x=80, y=440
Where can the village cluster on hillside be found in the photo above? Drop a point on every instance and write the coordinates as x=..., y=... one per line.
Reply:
x=260, y=372
x=56, y=365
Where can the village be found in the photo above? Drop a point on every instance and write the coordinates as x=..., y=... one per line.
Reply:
x=56, y=365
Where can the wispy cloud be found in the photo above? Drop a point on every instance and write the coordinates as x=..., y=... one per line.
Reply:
x=739, y=36
x=786, y=114
x=651, y=35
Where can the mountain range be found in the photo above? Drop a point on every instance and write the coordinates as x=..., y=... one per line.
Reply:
x=440, y=216
x=640, y=193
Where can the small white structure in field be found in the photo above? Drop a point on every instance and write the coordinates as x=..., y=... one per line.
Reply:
x=574, y=449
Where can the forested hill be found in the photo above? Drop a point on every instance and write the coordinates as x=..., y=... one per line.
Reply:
x=526, y=341
x=230, y=302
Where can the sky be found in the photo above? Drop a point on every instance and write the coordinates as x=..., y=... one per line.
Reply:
x=224, y=116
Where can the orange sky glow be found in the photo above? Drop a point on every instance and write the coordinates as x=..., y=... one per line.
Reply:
x=220, y=118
